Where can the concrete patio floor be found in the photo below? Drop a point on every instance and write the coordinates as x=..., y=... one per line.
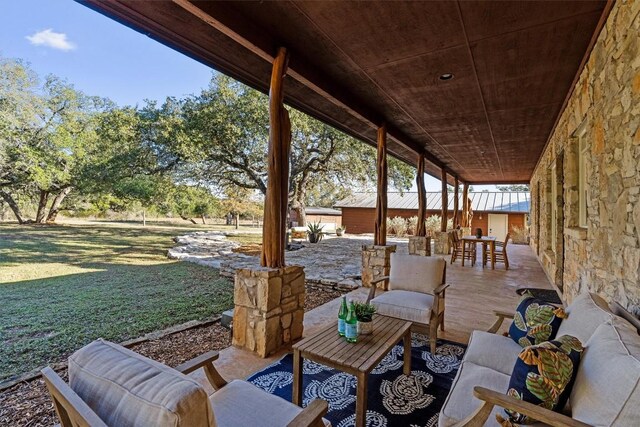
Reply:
x=473, y=295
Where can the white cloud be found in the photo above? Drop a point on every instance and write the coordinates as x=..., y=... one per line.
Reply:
x=51, y=39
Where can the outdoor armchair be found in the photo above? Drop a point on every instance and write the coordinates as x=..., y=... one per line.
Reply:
x=416, y=292
x=110, y=385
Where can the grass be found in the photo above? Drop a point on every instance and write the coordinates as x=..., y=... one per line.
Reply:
x=63, y=286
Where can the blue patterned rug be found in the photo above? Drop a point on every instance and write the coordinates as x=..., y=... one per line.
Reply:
x=394, y=399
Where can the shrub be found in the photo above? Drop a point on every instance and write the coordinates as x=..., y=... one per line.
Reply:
x=412, y=225
x=432, y=224
x=398, y=226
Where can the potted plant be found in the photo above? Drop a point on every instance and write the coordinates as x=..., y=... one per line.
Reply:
x=314, y=232
x=364, y=314
x=340, y=230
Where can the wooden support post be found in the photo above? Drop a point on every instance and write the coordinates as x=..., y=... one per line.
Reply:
x=455, y=202
x=275, y=203
x=445, y=201
x=422, y=198
x=465, y=205
x=380, y=237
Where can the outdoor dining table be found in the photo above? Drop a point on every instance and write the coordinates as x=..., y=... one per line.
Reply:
x=485, y=240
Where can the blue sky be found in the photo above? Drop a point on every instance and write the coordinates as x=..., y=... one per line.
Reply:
x=100, y=56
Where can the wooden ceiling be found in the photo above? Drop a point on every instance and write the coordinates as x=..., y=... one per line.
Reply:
x=355, y=65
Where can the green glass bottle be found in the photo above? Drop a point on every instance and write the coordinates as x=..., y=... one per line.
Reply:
x=342, y=316
x=351, y=324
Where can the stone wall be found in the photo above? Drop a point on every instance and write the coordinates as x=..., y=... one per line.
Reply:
x=269, y=308
x=419, y=245
x=376, y=262
x=604, y=112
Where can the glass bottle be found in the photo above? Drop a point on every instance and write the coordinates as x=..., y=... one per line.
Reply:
x=351, y=324
x=342, y=315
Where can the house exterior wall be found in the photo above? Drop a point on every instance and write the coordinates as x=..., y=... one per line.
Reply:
x=604, y=112
x=362, y=220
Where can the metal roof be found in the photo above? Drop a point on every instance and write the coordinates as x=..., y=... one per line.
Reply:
x=498, y=201
x=322, y=211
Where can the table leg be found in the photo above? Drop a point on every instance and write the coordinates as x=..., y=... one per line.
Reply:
x=484, y=254
x=493, y=255
x=296, y=396
x=464, y=251
x=361, y=400
x=407, y=353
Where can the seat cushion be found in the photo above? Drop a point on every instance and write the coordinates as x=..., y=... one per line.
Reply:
x=607, y=386
x=535, y=321
x=544, y=374
x=492, y=351
x=126, y=389
x=241, y=404
x=407, y=305
x=417, y=274
x=461, y=402
x=584, y=315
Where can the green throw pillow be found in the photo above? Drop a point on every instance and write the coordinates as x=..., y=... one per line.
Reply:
x=535, y=321
x=543, y=375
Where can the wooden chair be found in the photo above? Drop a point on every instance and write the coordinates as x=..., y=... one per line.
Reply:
x=416, y=293
x=120, y=387
x=456, y=248
x=500, y=252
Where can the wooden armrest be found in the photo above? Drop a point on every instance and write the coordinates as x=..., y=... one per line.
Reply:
x=311, y=416
x=197, y=362
x=440, y=289
x=501, y=316
x=205, y=361
x=379, y=279
x=534, y=411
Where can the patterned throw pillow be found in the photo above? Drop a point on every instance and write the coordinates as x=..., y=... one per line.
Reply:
x=543, y=375
x=535, y=321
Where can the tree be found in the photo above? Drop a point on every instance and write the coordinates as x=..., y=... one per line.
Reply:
x=46, y=136
x=514, y=187
x=227, y=128
x=241, y=201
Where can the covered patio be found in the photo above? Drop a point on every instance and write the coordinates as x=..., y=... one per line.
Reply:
x=472, y=93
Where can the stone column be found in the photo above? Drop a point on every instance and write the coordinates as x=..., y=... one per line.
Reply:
x=376, y=262
x=420, y=245
x=466, y=231
x=441, y=242
x=269, y=308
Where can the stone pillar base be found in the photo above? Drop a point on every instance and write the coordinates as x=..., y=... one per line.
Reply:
x=466, y=231
x=441, y=242
x=376, y=262
x=420, y=245
x=269, y=308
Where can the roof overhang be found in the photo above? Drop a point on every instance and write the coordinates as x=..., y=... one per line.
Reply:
x=356, y=65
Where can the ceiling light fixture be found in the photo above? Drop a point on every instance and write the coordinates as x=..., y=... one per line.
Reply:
x=446, y=76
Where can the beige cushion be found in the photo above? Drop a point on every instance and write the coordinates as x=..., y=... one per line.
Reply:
x=410, y=306
x=416, y=273
x=241, y=404
x=126, y=389
x=492, y=351
x=607, y=386
x=584, y=315
x=461, y=402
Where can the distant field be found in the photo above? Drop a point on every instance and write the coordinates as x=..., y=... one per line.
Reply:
x=63, y=286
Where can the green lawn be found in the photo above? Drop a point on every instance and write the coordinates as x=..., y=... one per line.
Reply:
x=63, y=286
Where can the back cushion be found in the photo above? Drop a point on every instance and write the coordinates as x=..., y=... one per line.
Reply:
x=126, y=389
x=416, y=273
x=607, y=386
x=584, y=315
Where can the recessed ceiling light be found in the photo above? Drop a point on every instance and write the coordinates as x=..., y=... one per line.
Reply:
x=446, y=76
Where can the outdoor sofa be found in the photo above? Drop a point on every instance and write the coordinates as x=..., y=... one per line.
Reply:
x=606, y=391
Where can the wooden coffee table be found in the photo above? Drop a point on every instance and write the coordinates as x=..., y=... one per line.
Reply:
x=358, y=359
